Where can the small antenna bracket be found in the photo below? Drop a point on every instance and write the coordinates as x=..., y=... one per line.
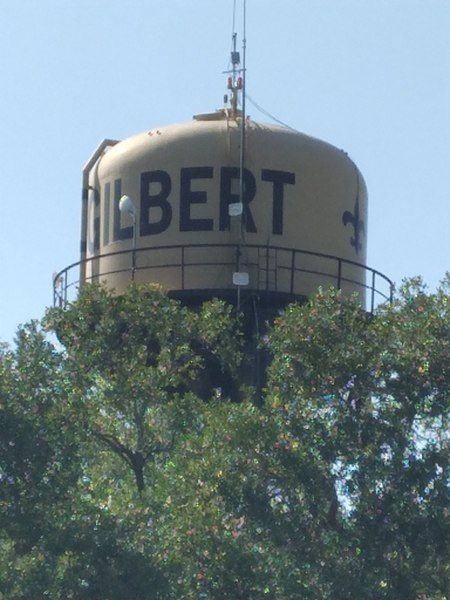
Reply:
x=235, y=81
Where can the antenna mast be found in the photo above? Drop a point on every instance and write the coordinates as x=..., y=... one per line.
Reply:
x=242, y=152
x=236, y=84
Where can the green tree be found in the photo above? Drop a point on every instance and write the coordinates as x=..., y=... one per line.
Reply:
x=139, y=365
x=55, y=541
x=370, y=396
x=134, y=464
x=339, y=486
x=38, y=447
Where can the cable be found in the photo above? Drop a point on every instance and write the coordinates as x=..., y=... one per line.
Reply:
x=234, y=19
x=233, y=33
x=268, y=114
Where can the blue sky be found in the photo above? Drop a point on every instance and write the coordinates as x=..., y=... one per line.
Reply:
x=369, y=76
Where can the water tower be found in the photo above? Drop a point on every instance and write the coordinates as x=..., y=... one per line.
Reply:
x=224, y=206
x=295, y=220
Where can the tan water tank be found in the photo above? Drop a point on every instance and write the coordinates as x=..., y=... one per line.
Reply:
x=305, y=211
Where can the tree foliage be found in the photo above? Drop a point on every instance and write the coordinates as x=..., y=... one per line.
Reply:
x=135, y=465
x=135, y=362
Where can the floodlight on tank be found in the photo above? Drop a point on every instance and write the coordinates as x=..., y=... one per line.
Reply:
x=126, y=205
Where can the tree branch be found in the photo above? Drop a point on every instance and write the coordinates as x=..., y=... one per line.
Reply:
x=116, y=447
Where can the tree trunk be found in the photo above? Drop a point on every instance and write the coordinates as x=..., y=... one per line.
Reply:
x=138, y=469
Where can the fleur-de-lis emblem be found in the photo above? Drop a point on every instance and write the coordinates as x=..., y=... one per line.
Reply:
x=358, y=226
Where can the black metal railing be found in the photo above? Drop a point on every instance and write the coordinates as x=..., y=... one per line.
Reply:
x=268, y=262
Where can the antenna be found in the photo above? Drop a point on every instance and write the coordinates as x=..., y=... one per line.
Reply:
x=242, y=152
x=235, y=80
x=236, y=84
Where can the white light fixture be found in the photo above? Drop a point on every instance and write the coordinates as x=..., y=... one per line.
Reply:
x=126, y=205
x=235, y=209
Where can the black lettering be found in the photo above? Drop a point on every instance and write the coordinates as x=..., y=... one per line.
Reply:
x=188, y=197
x=279, y=180
x=158, y=200
x=227, y=175
x=119, y=233
x=106, y=203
